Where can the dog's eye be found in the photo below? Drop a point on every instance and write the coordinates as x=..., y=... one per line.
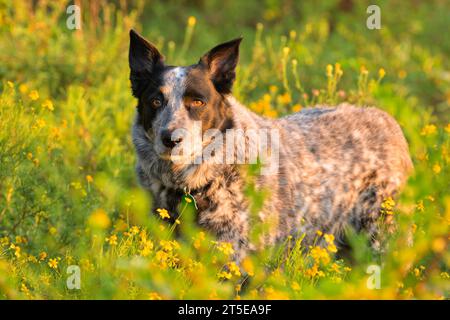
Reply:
x=196, y=103
x=156, y=103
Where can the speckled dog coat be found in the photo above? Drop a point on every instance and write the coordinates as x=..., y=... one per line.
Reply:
x=336, y=164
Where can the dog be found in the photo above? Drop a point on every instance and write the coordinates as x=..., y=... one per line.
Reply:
x=335, y=165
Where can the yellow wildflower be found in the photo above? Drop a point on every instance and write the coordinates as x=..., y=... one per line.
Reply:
x=112, y=240
x=39, y=124
x=163, y=213
x=335, y=268
x=381, y=73
x=24, y=289
x=154, y=296
x=226, y=248
x=198, y=239
x=273, y=294
x=20, y=239
x=23, y=88
x=312, y=272
x=319, y=255
x=292, y=34
x=53, y=263
x=234, y=269
x=34, y=95
x=296, y=107
x=169, y=245
x=16, y=250
x=329, y=238
x=9, y=194
x=224, y=275
x=192, y=21
x=329, y=70
x=89, y=179
x=143, y=235
x=4, y=241
x=436, y=168
x=48, y=104
x=332, y=248
x=420, y=207
x=402, y=74
x=99, y=219
x=387, y=206
x=42, y=255
x=134, y=230
x=147, y=247
x=438, y=245
x=284, y=98
x=447, y=128
x=273, y=89
x=295, y=286
x=428, y=130
x=10, y=84
x=45, y=279
x=363, y=70
x=271, y=113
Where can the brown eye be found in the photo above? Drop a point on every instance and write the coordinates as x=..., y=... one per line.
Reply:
x=156, y=103
x=196, y=103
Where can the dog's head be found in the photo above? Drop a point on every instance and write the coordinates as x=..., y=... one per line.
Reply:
x=172, y=99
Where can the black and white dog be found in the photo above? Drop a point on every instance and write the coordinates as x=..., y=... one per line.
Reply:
x=334, y=165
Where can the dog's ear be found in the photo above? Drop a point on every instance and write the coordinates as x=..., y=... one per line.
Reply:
x=144, y=59
x=221, y=62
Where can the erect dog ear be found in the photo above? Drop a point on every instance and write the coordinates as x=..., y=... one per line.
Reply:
x=221, y=62
x=144, y=59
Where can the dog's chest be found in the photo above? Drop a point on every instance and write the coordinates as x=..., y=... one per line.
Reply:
x=219, y=200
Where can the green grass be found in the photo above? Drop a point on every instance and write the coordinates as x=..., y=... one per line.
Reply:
x=69, y=194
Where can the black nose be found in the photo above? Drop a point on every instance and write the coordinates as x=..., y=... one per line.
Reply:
x=167, y=140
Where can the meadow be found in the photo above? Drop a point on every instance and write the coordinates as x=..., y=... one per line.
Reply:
x=68, y=191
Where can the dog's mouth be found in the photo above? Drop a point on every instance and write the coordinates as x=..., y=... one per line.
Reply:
x=182, y=155
x=167, y=156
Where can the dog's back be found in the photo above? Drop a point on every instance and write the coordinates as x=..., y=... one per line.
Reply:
x=337, y=165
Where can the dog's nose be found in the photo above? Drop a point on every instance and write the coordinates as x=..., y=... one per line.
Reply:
x=166, y=138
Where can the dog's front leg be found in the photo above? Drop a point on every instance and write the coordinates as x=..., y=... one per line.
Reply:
x=169, y=199
x=229, y=226
x=163, y=197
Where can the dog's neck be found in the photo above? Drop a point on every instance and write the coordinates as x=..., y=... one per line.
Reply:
x=243, y=117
